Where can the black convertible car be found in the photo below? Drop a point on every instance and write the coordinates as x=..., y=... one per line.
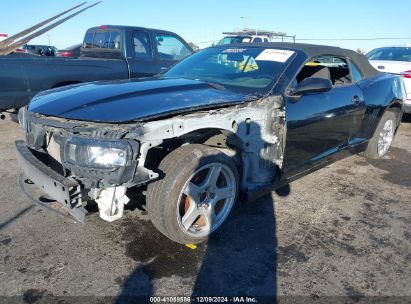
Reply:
x=227, y=122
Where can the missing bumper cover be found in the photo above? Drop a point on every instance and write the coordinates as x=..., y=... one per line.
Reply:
x=56, y=186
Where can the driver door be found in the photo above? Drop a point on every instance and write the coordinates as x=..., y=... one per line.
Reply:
x=142, y=62
x=321, y=124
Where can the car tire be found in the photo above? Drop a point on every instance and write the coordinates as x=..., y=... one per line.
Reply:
x=380, y=142
x=195, y=195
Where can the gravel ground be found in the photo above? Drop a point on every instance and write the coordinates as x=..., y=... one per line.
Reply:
x=341, y=231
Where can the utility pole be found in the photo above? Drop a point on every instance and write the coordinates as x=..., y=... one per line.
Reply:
x=244, y=19
x=48, y=36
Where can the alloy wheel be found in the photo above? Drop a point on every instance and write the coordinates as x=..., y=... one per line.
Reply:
x=206, y=199
x=386, y=136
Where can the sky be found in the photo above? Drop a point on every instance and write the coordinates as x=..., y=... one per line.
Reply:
x=202, y=22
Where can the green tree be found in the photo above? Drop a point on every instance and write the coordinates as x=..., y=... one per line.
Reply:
x=193, y=46
x=360, y=51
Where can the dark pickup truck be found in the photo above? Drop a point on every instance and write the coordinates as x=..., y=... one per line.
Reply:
x=108, y=53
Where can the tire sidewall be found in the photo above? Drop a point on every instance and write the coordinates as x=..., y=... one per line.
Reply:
x=372, y=150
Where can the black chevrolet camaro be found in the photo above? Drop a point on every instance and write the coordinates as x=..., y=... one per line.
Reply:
x=228, y=122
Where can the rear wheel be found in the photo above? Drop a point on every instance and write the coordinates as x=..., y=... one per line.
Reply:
x=383, y=136
x=195, y=196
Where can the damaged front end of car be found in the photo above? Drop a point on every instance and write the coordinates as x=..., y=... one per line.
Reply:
x=78, y=163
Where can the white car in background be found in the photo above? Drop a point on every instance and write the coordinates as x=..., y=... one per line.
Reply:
x=3, y=36
x=395, y=60
x=243, y=39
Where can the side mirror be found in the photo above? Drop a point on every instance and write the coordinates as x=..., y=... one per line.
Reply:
x=311, y=86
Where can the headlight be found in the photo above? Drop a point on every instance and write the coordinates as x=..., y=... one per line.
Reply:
x=22, y=117
x=95, y=153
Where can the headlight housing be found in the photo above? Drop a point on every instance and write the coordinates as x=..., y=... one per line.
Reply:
x=22, y=117
x=96, y=153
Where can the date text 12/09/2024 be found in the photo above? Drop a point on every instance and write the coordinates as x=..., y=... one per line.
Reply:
x=183, y=299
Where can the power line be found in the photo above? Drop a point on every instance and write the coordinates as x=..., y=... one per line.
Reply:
x=354, y=39
x=205, y=42
x=333, y=39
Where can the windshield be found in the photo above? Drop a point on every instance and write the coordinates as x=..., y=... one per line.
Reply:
x=251, y=69
x=231, y=40
x=394, y=54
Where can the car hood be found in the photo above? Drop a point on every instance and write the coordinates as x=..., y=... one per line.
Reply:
x=131, y=100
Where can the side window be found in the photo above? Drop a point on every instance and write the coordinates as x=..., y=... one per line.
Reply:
x=142, y=46
x=266, y=40
x=88, y=40
x=257, y=39
x=329, y=67
x=115, y=41
x=171, y=48
x=355, y=72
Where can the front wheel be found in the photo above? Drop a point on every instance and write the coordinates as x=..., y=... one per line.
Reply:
x=195, y=196
x=383, y=136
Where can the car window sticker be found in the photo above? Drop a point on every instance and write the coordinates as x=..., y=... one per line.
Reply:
x=234, y=50
x=274, y=55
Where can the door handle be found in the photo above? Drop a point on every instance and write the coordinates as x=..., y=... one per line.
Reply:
x=163, y=68
x=356, y=99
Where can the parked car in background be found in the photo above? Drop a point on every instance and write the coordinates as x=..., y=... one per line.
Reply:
x=18, y=50
x=243, y=39
x=247, y=35
x=205, y=132
x=395, y=60
x=70, y=52
x=41, y=50
x=108, y=53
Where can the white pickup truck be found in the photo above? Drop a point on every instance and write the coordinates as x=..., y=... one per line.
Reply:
x=243, y=39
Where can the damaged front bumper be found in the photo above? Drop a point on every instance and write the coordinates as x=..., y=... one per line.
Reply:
x=53, y=171
x=46, y=187
x=54, y=187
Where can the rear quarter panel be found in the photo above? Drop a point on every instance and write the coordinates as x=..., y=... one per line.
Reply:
x=380, y=93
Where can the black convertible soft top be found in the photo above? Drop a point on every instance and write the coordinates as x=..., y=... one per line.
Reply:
x=312, y=50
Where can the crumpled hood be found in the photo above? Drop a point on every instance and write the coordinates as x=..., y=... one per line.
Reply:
x=128, y=100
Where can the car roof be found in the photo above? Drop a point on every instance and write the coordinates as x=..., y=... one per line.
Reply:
x=128, y=27
x=309, y=49
x=312, y=50
x=38, y=45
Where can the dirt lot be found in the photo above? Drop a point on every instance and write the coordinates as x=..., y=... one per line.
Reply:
x=342, y=231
